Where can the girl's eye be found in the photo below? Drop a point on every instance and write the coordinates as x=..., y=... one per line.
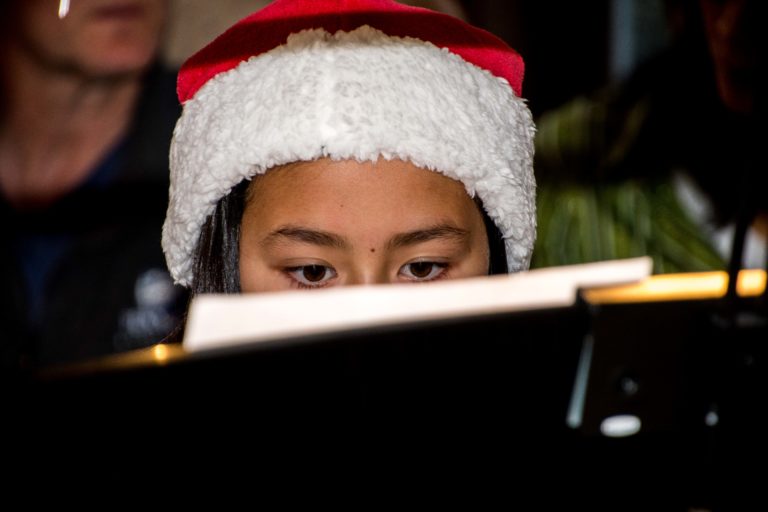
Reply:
x=311, y=276
x=423, y=270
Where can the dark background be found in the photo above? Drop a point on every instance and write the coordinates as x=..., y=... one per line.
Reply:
x=574, y=48
x=565, y=45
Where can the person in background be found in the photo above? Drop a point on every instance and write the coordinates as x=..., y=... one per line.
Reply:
x=668, y=162
x=86, y=117
x=332, y=143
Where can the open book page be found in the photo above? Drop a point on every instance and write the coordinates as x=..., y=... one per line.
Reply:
x=219, y=321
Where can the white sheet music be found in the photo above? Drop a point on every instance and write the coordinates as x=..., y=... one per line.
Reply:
x=219, y=321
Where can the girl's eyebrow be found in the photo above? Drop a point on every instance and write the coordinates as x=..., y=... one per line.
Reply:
x=306, y=235
x=444, y=231
x=322, y=238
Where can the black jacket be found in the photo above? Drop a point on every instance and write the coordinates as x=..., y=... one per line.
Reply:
x=109, y=290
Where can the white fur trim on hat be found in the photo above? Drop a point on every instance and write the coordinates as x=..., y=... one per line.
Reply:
x=353, y=95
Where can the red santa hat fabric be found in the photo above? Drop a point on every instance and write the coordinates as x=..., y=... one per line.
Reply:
x=352, y=79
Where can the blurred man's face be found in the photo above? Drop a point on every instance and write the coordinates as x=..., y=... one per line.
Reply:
x=734, y=29
x=98, y=38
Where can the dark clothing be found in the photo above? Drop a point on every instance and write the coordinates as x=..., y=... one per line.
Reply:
x=86, y=276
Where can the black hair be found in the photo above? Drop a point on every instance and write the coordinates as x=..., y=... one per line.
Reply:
x=497, y=261
x=216, y=261
x=216, y=264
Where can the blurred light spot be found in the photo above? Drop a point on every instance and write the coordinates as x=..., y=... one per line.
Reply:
x=154, y=288
x=622, y=425
x=160, y=353
x=711, y=419
x=63, y=8
x=629, y=386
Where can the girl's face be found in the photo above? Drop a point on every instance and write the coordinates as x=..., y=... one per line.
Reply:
x=328, y=223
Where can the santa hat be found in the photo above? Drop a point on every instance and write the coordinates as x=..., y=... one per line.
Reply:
x=351, y=79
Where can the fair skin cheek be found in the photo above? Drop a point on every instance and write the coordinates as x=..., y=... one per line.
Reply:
x=324, y=223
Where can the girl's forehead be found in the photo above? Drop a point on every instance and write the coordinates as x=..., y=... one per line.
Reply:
x=392, y=179
x=348, y=195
